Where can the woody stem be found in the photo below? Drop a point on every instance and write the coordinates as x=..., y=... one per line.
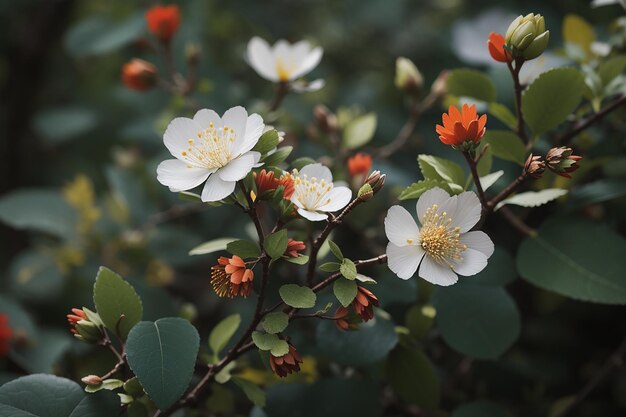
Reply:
x=521, y=132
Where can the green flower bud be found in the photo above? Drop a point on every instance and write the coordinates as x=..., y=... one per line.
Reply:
x=408, y=77
x=527, y=36
x=88, y=331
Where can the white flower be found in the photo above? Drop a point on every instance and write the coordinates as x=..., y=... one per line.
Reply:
x=282, y=62
x=315, y=194
x=210, y=148
x=444, y=246
x=600, y=3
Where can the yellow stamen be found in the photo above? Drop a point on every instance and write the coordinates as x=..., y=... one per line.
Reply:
x=439, y=239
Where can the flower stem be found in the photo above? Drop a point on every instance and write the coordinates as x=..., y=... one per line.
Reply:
x=521, y=132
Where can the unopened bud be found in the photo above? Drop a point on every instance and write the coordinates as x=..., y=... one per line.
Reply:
x=326, y=120
x=88, y=331
x=562, y=162
x=408, y=77
x=534, y=166
x=440, y=85
x=376, y=181
x=139, y=75
x=193, y=51
x=92, y=380
x=365, y=192
x=527, y=36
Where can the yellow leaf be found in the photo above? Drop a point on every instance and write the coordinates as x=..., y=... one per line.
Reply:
x=579, y=32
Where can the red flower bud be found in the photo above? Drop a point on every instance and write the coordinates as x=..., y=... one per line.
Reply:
x=163, y=21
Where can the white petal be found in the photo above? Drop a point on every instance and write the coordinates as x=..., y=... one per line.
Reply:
x=254, y=130
x=318, y=171
x=339, y=198
x=437, y=274
x=467, y=212
x=400, y=227
x=479, y=241
x=404, y=260
x=472, y=263
x=428, y=199
x=179, y=177
x=216, y=188
x=177, y=134
x=310, y=62
x=235, y=118
x=205, y=117
x=312, y=215
x=239, y=167
x=282, y=51
x=261, y=58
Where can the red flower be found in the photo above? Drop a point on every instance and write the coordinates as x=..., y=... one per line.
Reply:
x=364, y=303
x=495, y=44
x=360, y=163
x=461, y=126
x=267, y=181
x=76, y=316
x=294, y=247
x=231, y=278
x=139, y=75
x=286, y=364
x=163, y=21
x=5, y=335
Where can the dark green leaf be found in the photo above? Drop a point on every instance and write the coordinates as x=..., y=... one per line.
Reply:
x=499, y=271
x=480, y=409
x=471, y=83
x=345, y=291
x=300, y=163
x=277, y=157
x=58, y=125
x=502, y=113
x=296, y=296
x=506, y=145
x=99, y=35
x=300, y=260
x=413, y=377
x=416, y=189
x=330, y=266
x=252, y=391
x=223, y=332
x=276, y=244
x=335, y=249
x=434, y=168
x=243, y=249
x=267, y=142
x=211, y=246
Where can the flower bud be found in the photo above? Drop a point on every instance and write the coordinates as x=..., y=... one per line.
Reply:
x=440, y=86
x=326, y=120
x=562, y=162
x=527, y=36
x=139, y=75
x=534, y=166
x=193, y=51
x=163, y=21
x=286, y=364
x=376, y=181
x=92, y=380
x=88, y=332
x=294, y=247
x=365, y=192
x=408, y=77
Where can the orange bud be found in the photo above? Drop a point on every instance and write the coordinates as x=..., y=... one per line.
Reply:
x=139, y=75
x=163, y=21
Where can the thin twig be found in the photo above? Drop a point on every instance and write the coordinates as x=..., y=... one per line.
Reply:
x=479, y=188
x=521, y=132
x=281, y=92
x=581, y=125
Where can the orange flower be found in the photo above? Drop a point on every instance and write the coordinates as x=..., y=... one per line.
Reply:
x=139, y=75
x=231, y=278
x=364, y=303
x=5, y=334
x=267, y=181
x=461, y=126
x=286, y=364
x=360, y=163
x=294, y=247
x=163, y=21
x=495, y=44
x=76, y=316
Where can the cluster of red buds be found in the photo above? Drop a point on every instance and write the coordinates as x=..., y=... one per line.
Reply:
x=287, y=363
x=363, y=307
x=231, y=278
x=559, y=160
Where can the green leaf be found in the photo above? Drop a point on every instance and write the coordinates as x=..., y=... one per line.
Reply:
x=267, y=142
x=162, y=354
x=579, y=32
x=434, y=168
x=38, y=210
x=42, y=395
x=552, y=97
x=597, y=192
x=506, y=145
x=416, y=189
x=243, y=249
x=611, y=68
x=34, y=276
x=60, y=124
x=488, y=180
x=577, y=259
x=365, y=279
x=360, y=131
x=335, y=249
x=471, y=83
x=275, y=322
x=107, y=384
x=276, y=244
x=296, y=296
x=533, y=198
x=300, y=163
x=486, y=160
x=252, y=391
x=480, y=409
x=477, y=320
x=224, y=375
x=407, y=369
x=280, y=348
x=277, y=157
x=265, y=341
x=502, y=113
x=223, y=332
x=98, y=35
x=499, y=271
x=348, y=269
x=114, y=297
x=211, y=246
x=43, y=353
x=345, y=291
x=330, y=266
x=300, y=260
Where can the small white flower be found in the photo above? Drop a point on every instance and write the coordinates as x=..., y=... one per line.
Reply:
x=282, y=62
x=315, y=194
x=210, y=148
x=444, y=246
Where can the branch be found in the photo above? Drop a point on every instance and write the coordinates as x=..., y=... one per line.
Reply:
x=507, y=191
x=479, y=188
x=584, y=124
x=281, y=93
x=381, y=259
x=521, y=132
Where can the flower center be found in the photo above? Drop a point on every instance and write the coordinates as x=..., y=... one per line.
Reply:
x=212, y=148
x=438, y=239
x=284, y=71
x=311, y=192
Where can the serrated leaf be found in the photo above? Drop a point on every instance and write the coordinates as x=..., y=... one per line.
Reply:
x=275, y=322
x=252, y=391
x=470, y=83
x=223, y=332
x=330, y=266
x=296, y=296
x=552, y=97
x=345, y=290
x=243, y=249
x=348, y=269
x=114, y=298
x=162, y=354
x=276, y=244
x=264, y=341
x=502, y=113
x=506, y=145
x=533, y=198
x=416, y=189
x=267, y=142
x=335, y=250
x=275, y=158
x=211, y=246
x=360, y=131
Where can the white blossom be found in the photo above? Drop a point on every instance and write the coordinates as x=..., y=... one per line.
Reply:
x=282, y=62
x=210, y=148
x=315, y=194
x=444, y=246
